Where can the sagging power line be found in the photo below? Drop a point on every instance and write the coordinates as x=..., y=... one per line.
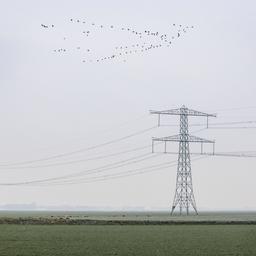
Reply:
x=71, y=162
x=104, y=172
x=122, y=174
x=61, y=155
x=100, y=169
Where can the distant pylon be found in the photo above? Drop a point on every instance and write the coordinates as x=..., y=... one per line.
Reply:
x=184, y=195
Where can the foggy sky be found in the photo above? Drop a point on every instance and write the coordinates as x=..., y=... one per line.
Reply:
x=51, y=104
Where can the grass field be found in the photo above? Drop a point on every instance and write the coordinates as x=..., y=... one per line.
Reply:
x=163, y=240
x=127, y=240
x=139, y=216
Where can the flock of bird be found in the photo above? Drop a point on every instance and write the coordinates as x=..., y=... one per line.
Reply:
x=146, y=41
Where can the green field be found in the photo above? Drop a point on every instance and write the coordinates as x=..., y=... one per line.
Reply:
x=121, y=238
x=137, y=216
x=127, y=240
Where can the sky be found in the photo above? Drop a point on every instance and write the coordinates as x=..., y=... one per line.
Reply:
x=54, y=103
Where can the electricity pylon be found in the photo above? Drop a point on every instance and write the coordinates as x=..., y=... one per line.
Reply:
x=184, y=195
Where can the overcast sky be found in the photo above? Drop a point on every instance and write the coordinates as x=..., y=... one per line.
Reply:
x=54, y=103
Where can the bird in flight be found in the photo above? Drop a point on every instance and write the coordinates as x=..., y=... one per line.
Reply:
x=135, y=47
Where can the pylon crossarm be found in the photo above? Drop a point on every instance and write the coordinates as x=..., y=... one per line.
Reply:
x=182, y=111
x=166, y=112
x=182, y=138
x=191, y=112
x=184, y=198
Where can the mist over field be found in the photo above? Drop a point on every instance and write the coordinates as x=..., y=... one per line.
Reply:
x=127, y=128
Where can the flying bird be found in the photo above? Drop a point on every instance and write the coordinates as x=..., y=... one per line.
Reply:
x=160, y=40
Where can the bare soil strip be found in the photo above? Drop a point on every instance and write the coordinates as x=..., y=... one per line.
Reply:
x=68, y=221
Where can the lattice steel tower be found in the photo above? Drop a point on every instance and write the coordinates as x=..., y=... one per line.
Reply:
x=184, y=195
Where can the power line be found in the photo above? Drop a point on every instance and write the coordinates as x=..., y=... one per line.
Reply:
x=79, y=160
x=80, y=150
x=138, y=171
x=235, y=108
x=235, y=122
x=210, y=124
x=108, y=129
x=103, y=168
x=109, y=175
x=231, y=155
x=240, y=151
x=233, y=127
x=118, y=175
x=228, y=154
